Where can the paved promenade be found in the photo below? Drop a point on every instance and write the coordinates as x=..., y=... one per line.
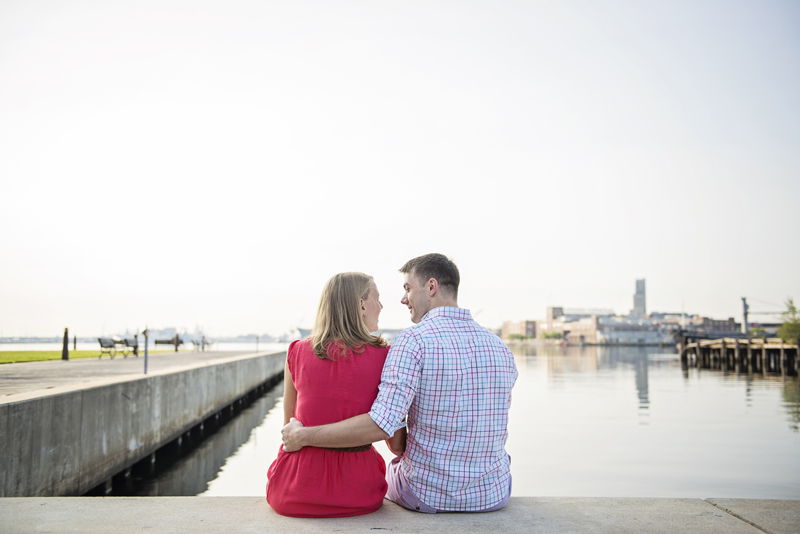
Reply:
x=199, y=515
x=16, y=378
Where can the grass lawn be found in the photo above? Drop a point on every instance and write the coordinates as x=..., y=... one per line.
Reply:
x=18, y=356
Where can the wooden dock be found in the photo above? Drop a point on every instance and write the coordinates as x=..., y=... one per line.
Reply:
x=753, y=355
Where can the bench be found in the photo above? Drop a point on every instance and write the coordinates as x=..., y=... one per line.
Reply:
x=200, y=345
x=131, y=347
x=107, y=346
x=110, y=346
x=174, y=341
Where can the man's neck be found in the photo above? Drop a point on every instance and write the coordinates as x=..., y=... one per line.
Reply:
x=438, y=303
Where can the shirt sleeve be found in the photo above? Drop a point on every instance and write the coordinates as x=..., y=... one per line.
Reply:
x=399, y=382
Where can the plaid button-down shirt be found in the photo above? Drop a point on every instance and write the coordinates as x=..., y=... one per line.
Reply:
x=453, y=378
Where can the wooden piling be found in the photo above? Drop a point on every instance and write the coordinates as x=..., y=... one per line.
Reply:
x=749, y=357
x=783, y=361
x=756, y=354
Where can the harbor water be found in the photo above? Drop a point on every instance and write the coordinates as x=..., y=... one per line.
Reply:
x=585, y=421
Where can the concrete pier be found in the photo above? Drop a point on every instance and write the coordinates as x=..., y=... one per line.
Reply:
x=70, y=438
x=200, y=515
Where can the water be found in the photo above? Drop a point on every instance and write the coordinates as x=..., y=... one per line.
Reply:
x=592, y=421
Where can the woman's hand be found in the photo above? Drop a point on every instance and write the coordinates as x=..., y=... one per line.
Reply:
x=292, y=435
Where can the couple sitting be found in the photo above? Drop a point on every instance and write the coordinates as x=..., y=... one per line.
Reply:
x=439, y=397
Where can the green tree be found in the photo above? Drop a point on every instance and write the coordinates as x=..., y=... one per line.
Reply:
x=758, y=332
x=516, y=337
x=790, y=329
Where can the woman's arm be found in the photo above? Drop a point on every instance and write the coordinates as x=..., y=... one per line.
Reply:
x=289, y=394
x=397, y=443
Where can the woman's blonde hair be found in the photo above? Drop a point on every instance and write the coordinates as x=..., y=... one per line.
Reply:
x=339, y=324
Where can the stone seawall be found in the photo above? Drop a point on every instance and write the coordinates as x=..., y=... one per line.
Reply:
x=525, y=515
x=67, y=440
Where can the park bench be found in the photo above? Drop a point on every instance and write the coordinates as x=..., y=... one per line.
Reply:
x=110, y=346
x=107, y=346
x=200, y=345
x=131, y=346
x=176, y=341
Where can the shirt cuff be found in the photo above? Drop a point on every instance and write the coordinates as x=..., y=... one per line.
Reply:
x=385, y=421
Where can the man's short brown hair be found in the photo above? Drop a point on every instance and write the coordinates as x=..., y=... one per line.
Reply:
x=437, y=266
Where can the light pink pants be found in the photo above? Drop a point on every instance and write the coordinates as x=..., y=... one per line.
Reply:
x=400, y=492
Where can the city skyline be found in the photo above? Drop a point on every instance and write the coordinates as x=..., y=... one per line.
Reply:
x=176, y=164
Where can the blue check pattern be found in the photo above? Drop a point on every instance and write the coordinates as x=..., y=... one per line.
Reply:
x=453, y=378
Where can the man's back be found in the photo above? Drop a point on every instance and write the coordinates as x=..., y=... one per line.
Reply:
x=454, y=378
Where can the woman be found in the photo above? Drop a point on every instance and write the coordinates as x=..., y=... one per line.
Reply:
x=330, y=376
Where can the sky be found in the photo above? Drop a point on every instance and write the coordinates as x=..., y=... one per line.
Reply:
x=211, y=164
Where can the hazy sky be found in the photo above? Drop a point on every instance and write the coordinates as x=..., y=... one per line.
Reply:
x=184, y=163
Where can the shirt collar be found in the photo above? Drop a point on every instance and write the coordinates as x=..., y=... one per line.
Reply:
x=451, y=312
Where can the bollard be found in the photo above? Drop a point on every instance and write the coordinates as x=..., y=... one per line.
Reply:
x=65, y=348
x=74, y=342
x=145, y=334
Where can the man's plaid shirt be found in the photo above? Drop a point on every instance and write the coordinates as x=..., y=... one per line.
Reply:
x=453, y=378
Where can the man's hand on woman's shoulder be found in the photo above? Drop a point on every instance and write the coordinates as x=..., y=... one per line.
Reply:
x=292, y=435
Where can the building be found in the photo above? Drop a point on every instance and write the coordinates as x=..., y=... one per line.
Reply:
x=603, y=327
x=580, y=327
x=634, y=331
x=639, y=300
x=522, y=328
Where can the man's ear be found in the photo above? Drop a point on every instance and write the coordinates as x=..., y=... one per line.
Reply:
x=432, y=286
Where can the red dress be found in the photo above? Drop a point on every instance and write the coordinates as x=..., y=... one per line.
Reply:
x=315, y=482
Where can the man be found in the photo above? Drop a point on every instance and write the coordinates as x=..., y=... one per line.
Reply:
x=452, y=378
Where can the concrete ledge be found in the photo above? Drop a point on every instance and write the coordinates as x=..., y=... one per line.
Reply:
x=768, y=515
x=523, y=514
x=67, y=440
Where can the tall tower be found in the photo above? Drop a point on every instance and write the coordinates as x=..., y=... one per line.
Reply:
x=639, y=304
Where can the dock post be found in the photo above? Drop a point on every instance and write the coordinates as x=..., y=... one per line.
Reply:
x=65, y=346
x=723, y=356
x=764, y=358
x=797, y=357
x=749, y=356
x=783, y=359
x=682, y=351
x=737, y=357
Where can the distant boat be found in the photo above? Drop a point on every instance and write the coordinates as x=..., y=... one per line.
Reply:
x=304, y=332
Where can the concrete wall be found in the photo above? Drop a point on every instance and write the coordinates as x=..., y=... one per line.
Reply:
x=523, y=515
x=66, y=443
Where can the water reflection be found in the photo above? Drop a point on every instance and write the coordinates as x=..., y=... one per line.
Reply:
x=584, y=421
x=191, y=474
x=628, y=421
x=791, y=403
x=566, y=360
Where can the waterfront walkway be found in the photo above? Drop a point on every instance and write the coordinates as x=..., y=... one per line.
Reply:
x=199, y=515
x=17, y=378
